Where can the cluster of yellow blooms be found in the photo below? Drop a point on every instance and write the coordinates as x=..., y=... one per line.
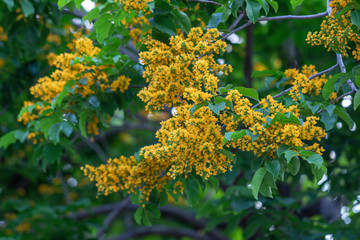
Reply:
x=270, y=137
x=136, y=28
x=301, y=82
x=186, y=144
x=48, y=87
x=137, y=5
x=336, y=34
x=178, y=74
x=3, y=35
x=184, y=63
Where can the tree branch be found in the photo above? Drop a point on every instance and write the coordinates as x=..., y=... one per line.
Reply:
x=311, y=77
x=96, y=148
x=112, y=216
x=311, y=16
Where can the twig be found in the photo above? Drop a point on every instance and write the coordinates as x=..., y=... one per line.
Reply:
x=206, y=1
x=236, y=22
x=180, y=214
x=163, y=231
x=112, y=216
x=96, y=148
x=64, y=187
x=311, y=16
x=311, y=77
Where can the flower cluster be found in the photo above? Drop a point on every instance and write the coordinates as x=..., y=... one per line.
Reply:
x=137, y=5
x=337, y=33
x=271, y=136
x=136, y=28
x=186, y=144
x=187, y=62
x=301, y=82
x=88, y=78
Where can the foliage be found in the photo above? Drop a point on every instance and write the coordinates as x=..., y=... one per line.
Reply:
x=261, y=155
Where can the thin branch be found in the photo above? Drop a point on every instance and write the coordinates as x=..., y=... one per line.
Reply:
x=112, y=216
x=311, y=16
x=236, y=22
x=206, y=1
x=181, y=214
x=75, y=13
x=323, y=72
x=64, y=187
x=96, y=148
x=162, y=231
x=311, y=77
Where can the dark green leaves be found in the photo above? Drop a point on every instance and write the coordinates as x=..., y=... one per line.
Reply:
x=248, y=92
x=227, y=153
x=355, y=17
x=192, y=190
x=82, y=123
x=330, y=85
x=273, y=168
x=357, y=100
x=215, y=20
x=252, y=10
x=285, y=118
x=296, y=3
x=217, y=107
x=257, y=180
x=55, y=130
x=103, y=27
x=27, y=8
x=235, y=7
x=11, y=138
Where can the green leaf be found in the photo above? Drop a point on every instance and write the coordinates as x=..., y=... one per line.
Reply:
x=55, y=129
x=93, y=14
x=78, y=4
x=10, y=4
x=252, y=10
x=21, y=135
x=138, y=215
x=274, y=5
x=27, y=8
x=62, y=3
x=294, y=165
x=153, y=210
x=318, y=172
x=217, y=107
x=235, y=7
x=52, y=153
x=357, y=100
x=138, y=157
x=264, y=5
x=257, y=180
x=103, y=27
x=306, y=154
x=82, y=123
x=7, y=139
x=60, y=97
x=282, y=149
x=248, y=92
x=341, y=112
x=273, y=168
x=328, y=120
x=330, y=109
x=192, y=190
x=227, y=153
x=197, y=106
x=329, y=86
x=282, y=118
x=184, y=19
x=355, y=17
x=315, y=159
x=163, y=23
x=296, y=3
x=289, y=154
x=93, y=102
x=215, y=20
